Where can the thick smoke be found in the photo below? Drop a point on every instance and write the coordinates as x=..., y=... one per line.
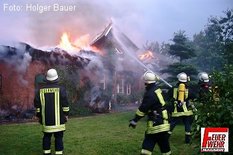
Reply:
x=153, y=20
x=95, y=62
x=16, y=57
x=89, y=17
x=19, y=56
x=47, y=28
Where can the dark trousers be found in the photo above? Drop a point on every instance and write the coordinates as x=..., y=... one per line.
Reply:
x=187, y=120
x=151, y=139
x=58, y=141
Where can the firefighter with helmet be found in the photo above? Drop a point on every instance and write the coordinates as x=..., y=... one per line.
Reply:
x=181, y=105
x=206, y=89
x=52, y=109
x=204, y=86
x=203, y=77
x=153, y=105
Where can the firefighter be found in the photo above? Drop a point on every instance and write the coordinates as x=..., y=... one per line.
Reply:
x=153, y=105
x=204, y=86
x=206, y=89
x=52, y=109
x=181, y=105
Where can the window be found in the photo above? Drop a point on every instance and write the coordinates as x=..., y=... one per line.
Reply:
x=103, y=82
x=128, y=89
x=120, y=86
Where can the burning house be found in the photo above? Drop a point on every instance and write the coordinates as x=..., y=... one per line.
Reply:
x=101, y=75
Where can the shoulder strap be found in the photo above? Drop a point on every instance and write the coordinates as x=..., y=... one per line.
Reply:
x=158, y=92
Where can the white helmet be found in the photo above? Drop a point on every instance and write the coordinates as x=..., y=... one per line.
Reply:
x=150, y=77
x=182, y=77
x=51, y=75
x=203, y=76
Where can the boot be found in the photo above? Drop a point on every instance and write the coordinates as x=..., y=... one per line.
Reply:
x=187, y=139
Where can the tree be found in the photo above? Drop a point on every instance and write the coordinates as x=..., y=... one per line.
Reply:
x=214, y=45
x=165, y=48
x=224, y=32
x=176, y=68
x=208, y=50
x=182, y=50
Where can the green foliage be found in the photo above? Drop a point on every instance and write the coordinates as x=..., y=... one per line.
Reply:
x=214, y=113
x=79, y=110
x=181, y=48
x=96, y=135
x=177, y=68
x=208, y=51
x=225, y=34
x=214, y=45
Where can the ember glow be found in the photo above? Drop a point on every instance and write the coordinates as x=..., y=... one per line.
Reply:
x=82, y=42
x=146, y=55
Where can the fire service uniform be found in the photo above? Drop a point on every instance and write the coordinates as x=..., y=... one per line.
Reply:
x=181, y=106
x=206, y=91
x=52, y=110
x=204, y=87
x=153, y=105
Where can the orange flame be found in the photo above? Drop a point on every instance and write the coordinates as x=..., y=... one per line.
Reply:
x=146, y=55
x=82, y=42
x=65, y=42
x=78, y=44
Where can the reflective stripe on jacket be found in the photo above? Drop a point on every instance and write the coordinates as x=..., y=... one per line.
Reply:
x=153, y=105
x=52, y=106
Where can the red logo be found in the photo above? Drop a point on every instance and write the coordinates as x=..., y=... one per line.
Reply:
x=214, y=139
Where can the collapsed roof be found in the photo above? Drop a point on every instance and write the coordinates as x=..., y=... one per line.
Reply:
x=24, y=52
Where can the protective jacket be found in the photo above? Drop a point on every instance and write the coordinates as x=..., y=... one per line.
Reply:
x=51, y=107
x=181, y=104
x=153, y=105
x=204, y=92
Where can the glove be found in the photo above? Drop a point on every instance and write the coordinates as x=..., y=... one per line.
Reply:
x=132, y=124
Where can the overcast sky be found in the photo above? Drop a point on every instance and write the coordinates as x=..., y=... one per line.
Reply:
x=141, y=20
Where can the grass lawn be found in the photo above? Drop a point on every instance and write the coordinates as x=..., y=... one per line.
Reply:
x=96, y=135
